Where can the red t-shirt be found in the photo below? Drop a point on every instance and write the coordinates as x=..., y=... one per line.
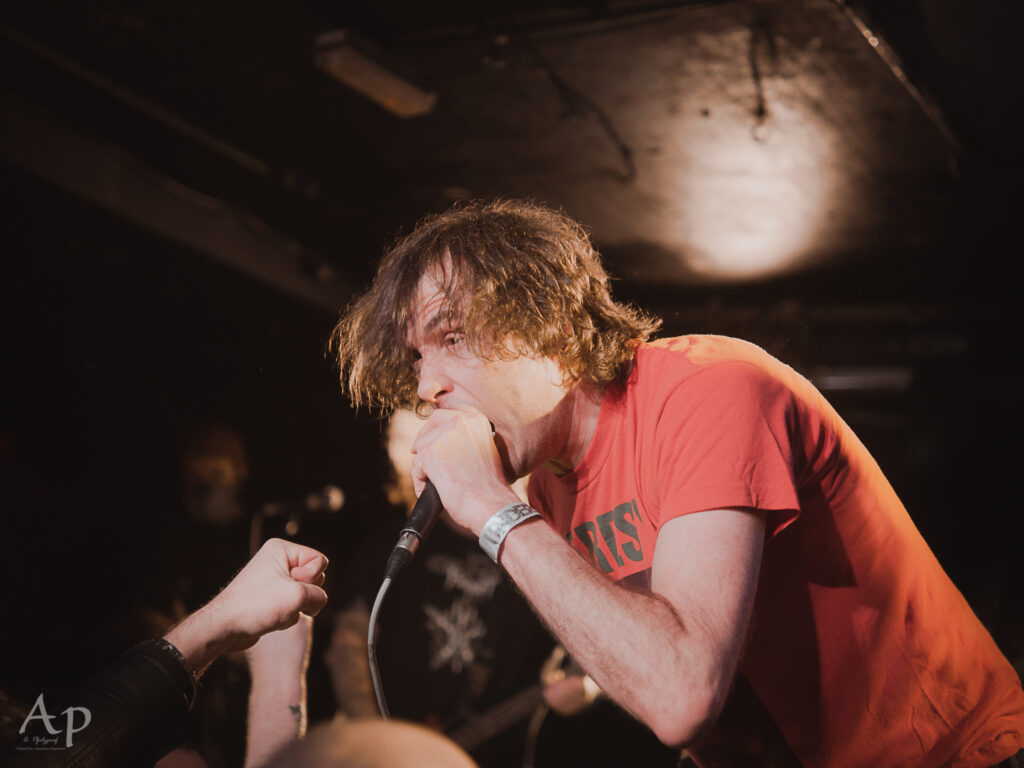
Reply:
x=861, y=651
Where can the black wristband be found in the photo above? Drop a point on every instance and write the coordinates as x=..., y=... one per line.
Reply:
x=171, y=661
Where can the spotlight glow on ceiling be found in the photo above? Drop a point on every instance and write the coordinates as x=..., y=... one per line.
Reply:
x=751, y=198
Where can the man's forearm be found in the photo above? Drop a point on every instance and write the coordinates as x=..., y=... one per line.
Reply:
x=633, y=644
x=200, y=638
x=277, y=715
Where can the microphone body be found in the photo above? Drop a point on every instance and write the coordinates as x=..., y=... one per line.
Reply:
x=424, y=514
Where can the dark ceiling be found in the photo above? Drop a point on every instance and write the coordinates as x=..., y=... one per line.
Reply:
x=703, y=142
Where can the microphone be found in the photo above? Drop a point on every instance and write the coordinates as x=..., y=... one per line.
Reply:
x=424, y=514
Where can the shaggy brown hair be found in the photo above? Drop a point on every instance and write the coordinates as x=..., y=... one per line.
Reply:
x=524, y=280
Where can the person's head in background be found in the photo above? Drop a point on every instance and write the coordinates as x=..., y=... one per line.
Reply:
x=214, y=469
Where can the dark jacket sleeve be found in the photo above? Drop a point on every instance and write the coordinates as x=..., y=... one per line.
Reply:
x=139, y=712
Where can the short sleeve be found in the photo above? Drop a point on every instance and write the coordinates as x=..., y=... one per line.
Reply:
x=725, y=440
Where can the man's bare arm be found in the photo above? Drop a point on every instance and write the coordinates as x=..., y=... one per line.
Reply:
x=277, y=696
x=667, y=657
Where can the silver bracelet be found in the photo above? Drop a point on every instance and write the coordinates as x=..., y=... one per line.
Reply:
x=501, y=522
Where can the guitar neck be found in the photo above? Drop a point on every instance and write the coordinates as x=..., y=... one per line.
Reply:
x=495, y=720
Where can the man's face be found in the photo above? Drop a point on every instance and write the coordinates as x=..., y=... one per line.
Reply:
x=523, y=398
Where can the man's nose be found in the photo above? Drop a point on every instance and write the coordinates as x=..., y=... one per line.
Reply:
x=433, y=384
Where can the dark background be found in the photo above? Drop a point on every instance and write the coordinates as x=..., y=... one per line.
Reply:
x=189, y=200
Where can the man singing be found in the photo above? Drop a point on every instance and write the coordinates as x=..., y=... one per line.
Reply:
x=705, y=535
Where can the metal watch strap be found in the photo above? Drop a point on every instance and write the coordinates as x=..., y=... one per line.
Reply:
x=501, y=522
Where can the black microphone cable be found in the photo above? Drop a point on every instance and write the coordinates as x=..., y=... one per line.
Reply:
x=424, y=514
